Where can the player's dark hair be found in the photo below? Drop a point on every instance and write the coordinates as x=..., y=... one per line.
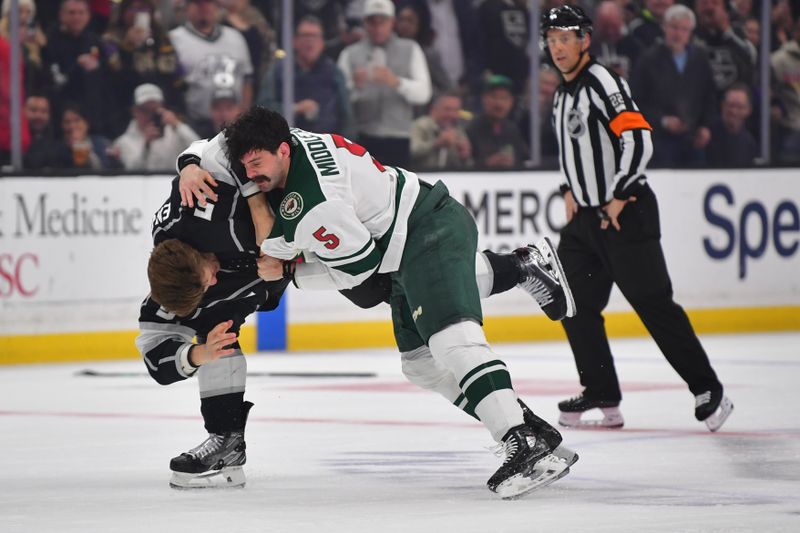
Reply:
x=258, y=128
x=175, y=271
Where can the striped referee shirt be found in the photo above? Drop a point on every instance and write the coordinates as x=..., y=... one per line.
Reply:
x=604, y=141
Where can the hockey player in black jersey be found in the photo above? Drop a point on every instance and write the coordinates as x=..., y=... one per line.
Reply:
x=211, y=250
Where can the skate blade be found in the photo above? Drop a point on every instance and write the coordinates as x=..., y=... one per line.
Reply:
x=612, y=419
x=547, y=470
x=546, y=246
x=570, y=457
x=226, y=478
x=718, y=417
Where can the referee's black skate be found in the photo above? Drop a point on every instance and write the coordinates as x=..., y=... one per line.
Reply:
x=214, y=463
x=573, y=409
x=713, y=408
x=528, y=466
x=542, y=276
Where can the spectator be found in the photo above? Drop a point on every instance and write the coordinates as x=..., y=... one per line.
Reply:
x=732, y=57
x=782, y=23
x=45, y=151
x=647, y=27
x=732, y=145
x=258, y=34
x=438, y=140
x=610, y=46
x=224, y=110
x=413, y=22
x=156, y=136
x=322, y=102
x=77, y=62
x=504, y=27
x=457, y=41
x=213, y=57
x=89, y=152
x=387, y=76
x=675, y=88
x=786, y=88
x=32, y=40
x=496, y=141
x=139, y=52
x=5, y=107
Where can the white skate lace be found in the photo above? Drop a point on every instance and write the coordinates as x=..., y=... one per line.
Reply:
x=507, y=449
x=539, y=291
x=211, y=445
x=701, y=399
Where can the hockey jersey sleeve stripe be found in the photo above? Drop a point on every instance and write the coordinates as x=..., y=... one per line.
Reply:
x=335, y=261
x=628, y=120
x=367, y=264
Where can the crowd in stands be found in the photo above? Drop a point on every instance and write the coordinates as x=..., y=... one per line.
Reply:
x=424, y=84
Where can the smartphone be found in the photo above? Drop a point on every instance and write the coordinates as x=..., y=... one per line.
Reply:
x=142, y=20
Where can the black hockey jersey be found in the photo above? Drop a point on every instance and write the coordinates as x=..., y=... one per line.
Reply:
x=226, y=229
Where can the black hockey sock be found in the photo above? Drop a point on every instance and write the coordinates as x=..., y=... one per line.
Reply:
x=222, y=414
x=506, y=271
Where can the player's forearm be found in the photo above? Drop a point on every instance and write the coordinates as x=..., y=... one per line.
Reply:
x=263, y=219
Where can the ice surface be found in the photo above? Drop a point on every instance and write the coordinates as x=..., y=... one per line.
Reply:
x=367, y=454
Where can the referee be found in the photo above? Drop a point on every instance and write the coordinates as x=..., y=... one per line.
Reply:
x=612, y=233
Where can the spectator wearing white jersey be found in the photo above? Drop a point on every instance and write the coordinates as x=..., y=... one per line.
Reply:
x=214, y=57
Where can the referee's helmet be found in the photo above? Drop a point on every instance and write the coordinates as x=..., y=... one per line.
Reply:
x=568, y=18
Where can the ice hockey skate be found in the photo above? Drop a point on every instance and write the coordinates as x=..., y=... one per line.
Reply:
x=550, y=435
x=214, y=463
x=573, y=410
x=542, y=276
x=713, y=408
x=528, y=465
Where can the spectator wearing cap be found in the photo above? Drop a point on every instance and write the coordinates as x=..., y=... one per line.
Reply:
x=156, y=136
x=224, y=110
x=139, y=51
x=321, y=98
x=496, y=141
x=387, y=76
x=213, y=57
x=77, y=62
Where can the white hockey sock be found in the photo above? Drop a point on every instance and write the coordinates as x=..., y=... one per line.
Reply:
x=483, y=378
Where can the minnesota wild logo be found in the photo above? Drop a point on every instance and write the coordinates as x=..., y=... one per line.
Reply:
x=291, y=206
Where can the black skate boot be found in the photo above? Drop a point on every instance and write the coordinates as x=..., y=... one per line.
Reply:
x=216, y=462
x=542, y=276
x=550, y=435
x=528, y=466
x=713, y=408
x=573, y=409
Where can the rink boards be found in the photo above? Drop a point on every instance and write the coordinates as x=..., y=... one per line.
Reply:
x=73, y=253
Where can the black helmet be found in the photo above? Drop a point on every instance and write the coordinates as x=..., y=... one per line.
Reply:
x=565, y=18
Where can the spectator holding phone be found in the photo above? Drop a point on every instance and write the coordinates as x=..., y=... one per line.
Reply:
x=139, y=51
x=155, y=136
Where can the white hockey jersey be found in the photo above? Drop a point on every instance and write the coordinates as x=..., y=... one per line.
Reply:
x=343, y=210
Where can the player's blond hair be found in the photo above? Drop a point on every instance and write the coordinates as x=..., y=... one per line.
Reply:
x=175, y=271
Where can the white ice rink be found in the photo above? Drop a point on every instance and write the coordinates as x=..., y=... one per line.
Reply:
x=374, y=454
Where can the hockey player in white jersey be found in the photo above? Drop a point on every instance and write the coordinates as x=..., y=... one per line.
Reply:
x=350, y=217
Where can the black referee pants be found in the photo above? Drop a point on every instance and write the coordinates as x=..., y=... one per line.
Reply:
x=593, y=260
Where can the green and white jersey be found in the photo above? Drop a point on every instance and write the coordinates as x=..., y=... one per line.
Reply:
x=343, y=210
